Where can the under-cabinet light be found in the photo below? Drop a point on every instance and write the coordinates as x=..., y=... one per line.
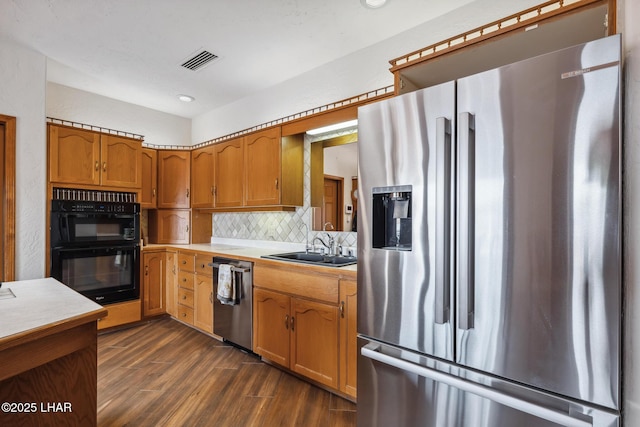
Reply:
x=331, y=128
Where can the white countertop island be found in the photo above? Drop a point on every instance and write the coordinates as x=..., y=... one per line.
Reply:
x=48, y=354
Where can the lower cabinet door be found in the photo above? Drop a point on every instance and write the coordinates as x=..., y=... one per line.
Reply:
x=314, y=341
x=203, y=305
x=272, y=320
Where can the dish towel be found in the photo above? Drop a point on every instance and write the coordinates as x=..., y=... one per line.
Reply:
x=226, y=285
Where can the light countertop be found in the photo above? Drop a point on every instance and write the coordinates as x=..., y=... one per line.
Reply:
x=251, y=253
x=39, y=304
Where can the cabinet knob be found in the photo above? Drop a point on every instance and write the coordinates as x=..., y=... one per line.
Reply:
x=97, y=165
x=146, y=270
x=342, y=309
x=184, y=297
x=292, y=319
x=276, y=183
x=187, y=193
x=104, y=166
x=286, y=321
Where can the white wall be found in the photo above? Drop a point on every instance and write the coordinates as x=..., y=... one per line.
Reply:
x=158, y=128
x=358, y=73
x=22, y=94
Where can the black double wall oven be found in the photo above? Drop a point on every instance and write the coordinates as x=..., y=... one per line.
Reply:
x=95, y=248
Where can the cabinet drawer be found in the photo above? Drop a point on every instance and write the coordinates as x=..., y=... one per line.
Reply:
x=185, y=297
x=202, y=264
x=185, y=314
x=185, y=279
x=313, y=286
x=120, y=314
x=186, y=261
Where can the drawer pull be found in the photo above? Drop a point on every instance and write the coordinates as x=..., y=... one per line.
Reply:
x=286, y=321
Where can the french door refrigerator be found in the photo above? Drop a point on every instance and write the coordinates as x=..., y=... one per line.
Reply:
x=489, y=248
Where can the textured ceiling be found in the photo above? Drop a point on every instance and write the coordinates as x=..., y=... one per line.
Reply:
x=131, y=50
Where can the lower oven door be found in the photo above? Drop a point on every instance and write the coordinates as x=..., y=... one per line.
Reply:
x=103, y=274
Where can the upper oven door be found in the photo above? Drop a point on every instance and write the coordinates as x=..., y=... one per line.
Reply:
x=82, y=228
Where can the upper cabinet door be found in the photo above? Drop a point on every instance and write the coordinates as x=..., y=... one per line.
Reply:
x=202, y=172
x=229, y=166
x=121, y=162
x=174, y=167
x=149, y=190
x=74, y=155
x=262, y=168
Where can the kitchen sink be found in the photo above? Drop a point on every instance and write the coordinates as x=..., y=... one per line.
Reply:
x=314, y=258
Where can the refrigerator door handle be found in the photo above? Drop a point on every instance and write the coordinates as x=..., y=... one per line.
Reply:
x=466, y=204
x=371, y=351
x=443, y=196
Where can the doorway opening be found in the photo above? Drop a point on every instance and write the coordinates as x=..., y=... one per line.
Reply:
x=332, y=203
x=7, y=197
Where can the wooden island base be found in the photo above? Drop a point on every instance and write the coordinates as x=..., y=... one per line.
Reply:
x=48, y=374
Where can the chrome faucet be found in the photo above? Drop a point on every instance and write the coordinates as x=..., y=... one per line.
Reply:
x=329, y=245
x=306, y=237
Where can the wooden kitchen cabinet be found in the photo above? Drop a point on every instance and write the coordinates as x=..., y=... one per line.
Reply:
x=217, y=175
x=203, y=293
x=169, y=226
x=153, y=283
x=314, y=340
x=293, y=330
x=195, y=290
x=271, y=320
x=149, y=190
x=171, y=282
x=348, y=353
x=229, y=173
x=186, y=277
x=83, y=157
x=202, y=173
x=121, y=161
x=174, y=179
x=273, y=169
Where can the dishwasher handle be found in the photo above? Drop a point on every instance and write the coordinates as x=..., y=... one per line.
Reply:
x=233, y=267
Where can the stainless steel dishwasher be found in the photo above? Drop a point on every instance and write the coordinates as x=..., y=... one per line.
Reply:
x=233, y=322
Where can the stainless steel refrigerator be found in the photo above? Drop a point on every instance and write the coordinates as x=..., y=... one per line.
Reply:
x=489, y=245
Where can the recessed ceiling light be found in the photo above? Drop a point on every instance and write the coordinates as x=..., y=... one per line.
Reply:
x=373, y=4
x=186, y=98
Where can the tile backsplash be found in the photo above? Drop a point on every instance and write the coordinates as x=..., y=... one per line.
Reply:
x=277, y=226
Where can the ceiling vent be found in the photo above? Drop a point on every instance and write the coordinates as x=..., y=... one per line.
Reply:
x=200, y=60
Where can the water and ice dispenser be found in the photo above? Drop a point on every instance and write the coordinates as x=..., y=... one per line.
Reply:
x=392, y=218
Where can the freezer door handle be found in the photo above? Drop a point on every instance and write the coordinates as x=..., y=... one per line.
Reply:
x=443, y=196
x=466, y=203
x=372, y=351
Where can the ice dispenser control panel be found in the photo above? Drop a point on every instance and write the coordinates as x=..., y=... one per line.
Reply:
x=392, y=218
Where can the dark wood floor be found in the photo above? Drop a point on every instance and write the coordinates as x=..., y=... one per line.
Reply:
x=164, y=373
